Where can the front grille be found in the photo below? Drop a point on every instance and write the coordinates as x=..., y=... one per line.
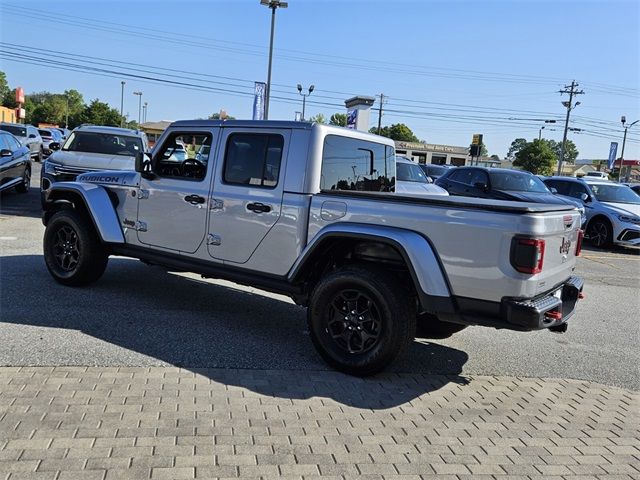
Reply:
x=64, y=170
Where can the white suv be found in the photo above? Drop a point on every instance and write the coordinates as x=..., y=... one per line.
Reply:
x=600, y=175
x=91, y=148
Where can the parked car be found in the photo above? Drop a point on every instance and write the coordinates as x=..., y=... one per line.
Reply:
x=434, y=171
x=600, y=175
x=304, y=209
x=28, y=136
x=15, y=164
x=613, y=209
x=90, y=148
x=49, y=135
x=502, y=184
x=411, y=180
x=64, y=132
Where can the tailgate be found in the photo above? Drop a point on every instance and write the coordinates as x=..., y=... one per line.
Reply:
x=561, y=232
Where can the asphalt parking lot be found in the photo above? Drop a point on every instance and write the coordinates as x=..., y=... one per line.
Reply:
x=142, y=316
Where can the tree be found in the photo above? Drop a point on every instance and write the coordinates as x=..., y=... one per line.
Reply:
x=319, y=118
x=100, y=113
x=216, y=116
x=517, y=145
x=398, y=132
x=570, y=150
x=339, y=119
x=536, y=157
x=4, y=87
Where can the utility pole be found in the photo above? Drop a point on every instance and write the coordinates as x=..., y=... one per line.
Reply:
x=121, y=103
x=571, y=90
x=380, y=113
x=624, y=140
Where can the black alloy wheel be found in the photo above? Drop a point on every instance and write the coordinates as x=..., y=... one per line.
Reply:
x=24, y=186
x=600, y=233
x=66, y=250
x=353, y=321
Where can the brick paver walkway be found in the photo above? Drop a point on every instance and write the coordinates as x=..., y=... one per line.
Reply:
x=169, y=423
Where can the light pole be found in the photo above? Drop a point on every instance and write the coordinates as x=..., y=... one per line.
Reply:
x=304, y=97
x=144, y=112
x=139, y=104
x=66, y=115
x=624, y=140
x=542, y=128
x=122, y=103
x=273, y=5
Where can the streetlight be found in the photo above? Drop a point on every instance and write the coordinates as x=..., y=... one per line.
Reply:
x=542, y=128
x=623, y=119
x=273, y=5
x=144, y=112
x=139, y=104
x=304, y=97
x=121, y=104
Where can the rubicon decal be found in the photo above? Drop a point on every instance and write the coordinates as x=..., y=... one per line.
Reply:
x=101, y=178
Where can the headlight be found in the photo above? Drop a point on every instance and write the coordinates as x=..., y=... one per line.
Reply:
x=49, y=167
x=629, y=219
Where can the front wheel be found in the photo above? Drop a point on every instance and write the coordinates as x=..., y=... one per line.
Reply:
x=73, y=252
x=360, y=319
x=600, y=233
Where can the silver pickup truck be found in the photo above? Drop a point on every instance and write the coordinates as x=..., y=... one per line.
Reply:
x=310, y=211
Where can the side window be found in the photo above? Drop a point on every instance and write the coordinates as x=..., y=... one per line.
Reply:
x=12, y=143
x=253, y=159
x=357, y=165
x=4, y=144
x=577, y=189
x=479, y=176
x=561, y=187
x=178, y=157
x=462, y=176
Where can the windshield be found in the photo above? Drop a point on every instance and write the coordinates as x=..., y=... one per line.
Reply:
x=435, y=170
x=17, y=131
x=45, y=133
x=517, y=182
x=615, y=193
x=106, y=143
x=410, y=173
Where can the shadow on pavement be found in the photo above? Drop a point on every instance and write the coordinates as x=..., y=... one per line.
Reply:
x=23, y=204
x=162, y=318
x=615, y=249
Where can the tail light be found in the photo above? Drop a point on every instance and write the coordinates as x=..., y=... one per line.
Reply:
x=527, y=254
x=579, y=242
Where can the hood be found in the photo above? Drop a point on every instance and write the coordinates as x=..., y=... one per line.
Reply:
x=93, y=161
x=623, y=208
x=110, y=177
x=541, y=197
x=415, y=188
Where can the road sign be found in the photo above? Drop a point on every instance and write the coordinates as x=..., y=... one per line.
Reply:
x=476, y=139
x=613, y=150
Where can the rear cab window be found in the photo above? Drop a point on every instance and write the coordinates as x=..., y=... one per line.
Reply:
x=357, y=165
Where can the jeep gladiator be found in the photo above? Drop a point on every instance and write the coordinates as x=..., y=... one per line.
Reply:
x=309, y=211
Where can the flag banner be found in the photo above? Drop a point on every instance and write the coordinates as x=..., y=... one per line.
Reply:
x=258, y=100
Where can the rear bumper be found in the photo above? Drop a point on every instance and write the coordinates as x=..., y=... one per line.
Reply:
x=549, y=310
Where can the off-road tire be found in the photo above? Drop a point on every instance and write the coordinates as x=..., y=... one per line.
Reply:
x=73, y=252
x=428, y=326
x=388, y=302
x=26, y=181
x=600, y=233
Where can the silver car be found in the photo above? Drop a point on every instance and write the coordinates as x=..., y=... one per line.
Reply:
x=613, y=209
x=28, y=136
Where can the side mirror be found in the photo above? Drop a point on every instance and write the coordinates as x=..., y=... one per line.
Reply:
x=32, y=135
x=5, y=152
x=585, y=198
x=143, y=164
x=54, y=146
x=553, y=190
x=481, y=186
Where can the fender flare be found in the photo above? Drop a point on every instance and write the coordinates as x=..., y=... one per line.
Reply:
x=426, y=270
x=97, y=203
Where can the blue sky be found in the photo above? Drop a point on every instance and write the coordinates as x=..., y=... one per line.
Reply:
x=449, y=68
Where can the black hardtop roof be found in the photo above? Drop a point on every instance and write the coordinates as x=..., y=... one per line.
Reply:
x=243, y=123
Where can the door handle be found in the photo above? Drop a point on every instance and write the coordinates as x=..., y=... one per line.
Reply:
x=194, y=199
x=258, y=207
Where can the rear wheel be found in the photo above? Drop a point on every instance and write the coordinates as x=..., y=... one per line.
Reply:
x=600, y=233
x=360, y=319
x=73, y=252
x=26, y=181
